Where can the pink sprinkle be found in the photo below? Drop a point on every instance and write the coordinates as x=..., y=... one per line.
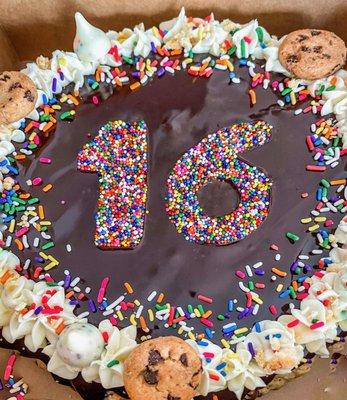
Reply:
x=274, y=85
x=45, y=160
x=206, y=299
x=304, y=195
x=247, y=39
x=105, y=282
x=95, y=100
x=259, y=285
x=317, y=325
x=328, y=223
x=206, y=322
x=35, y=124
x=240, y=274
x=273, y=309
x=37, y=181
x=267, y=75
x=301, y=296
x=315, y=168
x=207, y=354
x=274, y=247
x=22, y=232
x=113, y=320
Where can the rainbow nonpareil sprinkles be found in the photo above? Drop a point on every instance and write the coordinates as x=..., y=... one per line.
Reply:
x=119, y=155
x=215, y=157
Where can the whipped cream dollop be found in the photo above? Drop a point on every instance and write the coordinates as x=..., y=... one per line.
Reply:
x=310, y=326
x=213, y=379
x=108, y=368
x=273, y=347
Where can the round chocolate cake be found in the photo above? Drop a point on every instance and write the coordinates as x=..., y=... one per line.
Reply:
x=176, y=181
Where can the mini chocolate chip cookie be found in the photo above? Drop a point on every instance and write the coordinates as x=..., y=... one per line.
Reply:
x=312, y=53
x=166, y=368
x=18, y=95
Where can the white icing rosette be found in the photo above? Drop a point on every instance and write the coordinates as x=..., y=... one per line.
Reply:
x=11, y=133
x=8, y=261
x=273, y=347
x=310, y=326
x=36, y=326
x=108, y=369
x=331, y=290
x=178, y=32
x=241, y=371
x=212, y=379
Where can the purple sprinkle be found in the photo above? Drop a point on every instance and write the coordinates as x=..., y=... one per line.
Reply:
x=259, y=272
x=293, y=267
x=38, y=310
x=136, y=74
x=154, y=49
x=1, y=385
x=161, y=72
x=242, y=314
x=249, y=311
x=54, y=85
x=92, y=306
x=39, y=259
x=61, y=75
x=67, y=281
x=251, y=349
x=73, y=302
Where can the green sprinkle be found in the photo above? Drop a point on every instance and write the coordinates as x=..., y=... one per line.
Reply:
x=243, y=48
x=52, y=284
x=18, y=200
x=190, y=309
x=65, y=115
x=260, y=34
x=232, y=51
x=320, y=90
x=34, y=200
x=220, y=317
x=190, y=54
x=336, y=142
x=201, y=309
x=324, y=192
x=20, y=208
x=128, y=60
x=160, y=308
x=112, y=363
x=286, y=91
x=250, y=285
x=292, y=292
x=48, y=245
x=95, y=85
x=330, y=88
x=32, y=146
x=292, y=236
x=325, y=183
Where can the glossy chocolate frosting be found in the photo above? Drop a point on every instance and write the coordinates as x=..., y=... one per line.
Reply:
x=179, y=111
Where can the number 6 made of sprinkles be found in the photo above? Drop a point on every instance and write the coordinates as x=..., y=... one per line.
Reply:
x=118, y=155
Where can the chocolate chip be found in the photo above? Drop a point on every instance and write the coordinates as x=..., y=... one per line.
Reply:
x=15, y=85
x=170, y=397
x=28, y=95
x=184, y=359
x=150, y=377
x=154, y=357
x=5, y=78
x=327, y=56
x=301, y=38
x=292, y=58
x=315, y=33
x=305, y=49
x=317, y=49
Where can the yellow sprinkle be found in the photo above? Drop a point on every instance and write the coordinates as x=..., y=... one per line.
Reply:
x=12, y=226
x=52, y=259
x=73, y=99
x=225, y=343
x=47, y=188
x=41, y=212
x=292, y=98
x=257, y=299
x=120, y=315
x=150, y=315
x=137, y=302
x=278, y=272
x=191, y=335
x=180, y=331
x=320, y=219
x=56, y=107
x=313, y=228
x=197, y=313
x=72, y=112
x=133, y=319
x=306, y=220
x=188, y=60
x=45, y=223
x=32, y=136
x=50, y=266
x=160, y=298
x=43, y=255
x=230, y=66
x=279, y=287
x=128, y=288
x=240, y=331
x=135, y=86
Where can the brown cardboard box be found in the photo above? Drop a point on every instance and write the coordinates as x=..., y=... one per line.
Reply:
x=29, y=28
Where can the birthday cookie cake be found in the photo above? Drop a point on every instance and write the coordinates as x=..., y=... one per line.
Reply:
x=173, y=206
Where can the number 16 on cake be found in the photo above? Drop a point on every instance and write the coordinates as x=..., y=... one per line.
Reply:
x=119, y=155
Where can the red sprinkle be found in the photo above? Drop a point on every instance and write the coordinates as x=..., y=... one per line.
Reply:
x=273, y=309
x=315, y=168
x=295, y=322
x=206, y=299
x=317, y=325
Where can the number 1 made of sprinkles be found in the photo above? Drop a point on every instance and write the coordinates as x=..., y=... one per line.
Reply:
x=118, y=155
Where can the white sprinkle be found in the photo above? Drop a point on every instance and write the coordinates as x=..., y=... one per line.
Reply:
x=273, y=278
x=83, y=315
x=243, y=287
x=338, y=202
x=27, y=264
x=25, y=241
x=255, y=309
x=340, y=188
x=33, y=220
x=240, y=309
x=277, y=257
x=45, y=235
x=139, y=312
x=320, y=238
x=144, y=80
x=75, y=281
x=61, y=283
x=301, y=264
x=8, y=241
x=313, y=128
x=331, y=207
x=151, y=296
x=170, y=70
x=324, y=199
x=230, y=325
x=77, y=289
x=68, y=248
x=36, y=242
x=334, y=164
x=303, y=257
x=107, y=312
x=27, y=315
x=221, y=67
x=317, y=156
x=257, y=265
x=88, y=290
x=317, y=251
x=281, y=87
x=344, y=210
x=325, y=140
x=180, y=311
x=280, y=103
x=115, y=303
x=315, y=213
x=235, y=80
x=298, y=111
x=66, y=272
x=266, y=83
x=248, y=271
x=324, y=209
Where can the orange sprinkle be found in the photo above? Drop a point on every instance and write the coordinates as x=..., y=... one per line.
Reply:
x=59, y=329
x=214, y=397
x=41, y=212
x=305, y=91
x=80, y=296
x=252, y=96
x=52, y=119
x=73, y=99
x=135, y=86
x=28, y=127
x=221, y=62
x=24, y=196
x=295, y=285
x=207, y=314
x=47, y=126
x=20, y=157
x=160, y=298
x=69, y=294
x=118, y=81
x=19, y=244
x=76, y=93
x=143, y=324
x=46, y=109
x=37, y=227
x=176, y=52
x=333, y=80
x=24, y=311
x=338, y=182
x=204, y=66
x=160, y=51
x=5, y=277
x=278, y=272
x=16, y=187
x=128, y=288
x=47, y=188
